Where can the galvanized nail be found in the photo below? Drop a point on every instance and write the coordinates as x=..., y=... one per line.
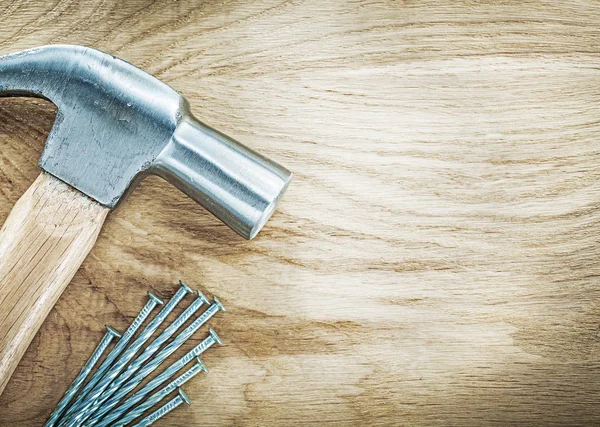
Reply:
x=95, y=398
x=146, y=354
x=164, y=410
x=126, y=418
x=112, y=356
x=80, y=378
x=168, y=373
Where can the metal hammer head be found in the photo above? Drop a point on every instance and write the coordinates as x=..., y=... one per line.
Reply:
x=116, y=123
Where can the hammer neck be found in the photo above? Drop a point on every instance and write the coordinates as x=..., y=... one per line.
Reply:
x=233, y=182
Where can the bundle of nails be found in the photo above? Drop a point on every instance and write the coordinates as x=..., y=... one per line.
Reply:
x=105, y=399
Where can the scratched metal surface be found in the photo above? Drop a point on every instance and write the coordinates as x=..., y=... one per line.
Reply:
x=113, y=120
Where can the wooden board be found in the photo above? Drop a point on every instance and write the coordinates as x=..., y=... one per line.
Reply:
x=435, y=261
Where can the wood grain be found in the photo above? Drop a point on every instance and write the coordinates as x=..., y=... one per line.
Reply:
x=43, y=242
x=435, y=261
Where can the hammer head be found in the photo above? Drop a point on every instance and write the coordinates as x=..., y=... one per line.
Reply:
x=116, y=123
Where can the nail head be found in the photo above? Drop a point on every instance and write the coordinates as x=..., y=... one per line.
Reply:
x=215, y=336
x=155, y=298
x=184, y=396
x=203, y=297
x=218, y=304
x=113, y=331
x=186, y=287
x=202, y=365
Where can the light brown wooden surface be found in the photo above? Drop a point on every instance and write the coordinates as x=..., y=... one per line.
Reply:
x=434, y=262
x=43, y=242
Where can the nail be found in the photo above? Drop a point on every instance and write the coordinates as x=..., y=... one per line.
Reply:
x=164, y=410
x=168, y=373
x=177, y=342
x=80, y=378
x=95, y=398
x=156, y=397
x=147, y=354
x=112, y=356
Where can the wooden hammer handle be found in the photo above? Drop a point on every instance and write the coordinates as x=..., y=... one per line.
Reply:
x=46, y=237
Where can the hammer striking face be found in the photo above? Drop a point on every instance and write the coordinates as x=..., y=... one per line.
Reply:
x=114, y=125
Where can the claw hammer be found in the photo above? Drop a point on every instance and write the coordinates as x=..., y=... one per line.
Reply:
x=115, y=124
